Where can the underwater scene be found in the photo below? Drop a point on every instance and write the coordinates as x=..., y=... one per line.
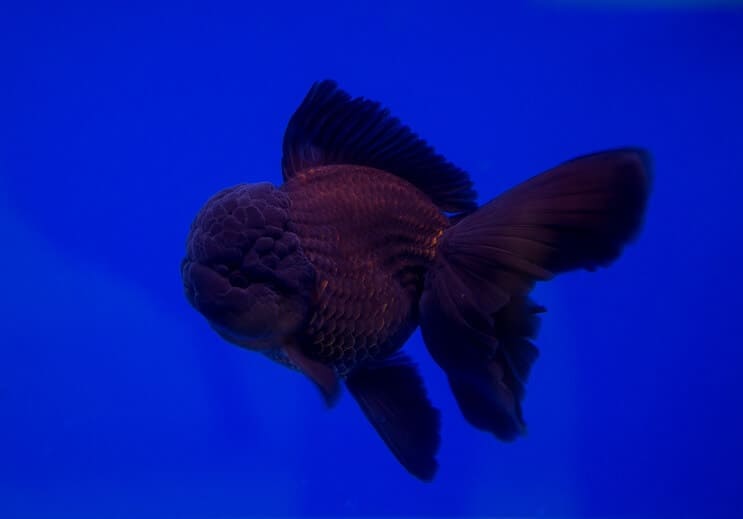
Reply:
x=371, y=259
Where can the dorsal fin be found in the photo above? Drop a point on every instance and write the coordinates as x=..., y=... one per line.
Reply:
x=331, y=127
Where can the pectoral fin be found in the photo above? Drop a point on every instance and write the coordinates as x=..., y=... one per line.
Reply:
x=323, y=376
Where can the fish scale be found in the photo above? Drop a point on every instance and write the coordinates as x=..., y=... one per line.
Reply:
x=363, y=268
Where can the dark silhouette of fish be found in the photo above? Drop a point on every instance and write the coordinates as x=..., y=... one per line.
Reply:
x=373, y=234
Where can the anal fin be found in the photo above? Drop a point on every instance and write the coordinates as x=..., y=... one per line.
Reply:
x=393, y=398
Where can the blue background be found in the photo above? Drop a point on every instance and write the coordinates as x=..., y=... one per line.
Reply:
x=116, y=124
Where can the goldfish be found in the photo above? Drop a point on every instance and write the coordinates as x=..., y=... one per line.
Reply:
x=374, y=234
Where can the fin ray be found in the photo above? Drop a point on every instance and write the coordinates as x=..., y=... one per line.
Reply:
x=392, y=396
x=476, y=318
x=331, y=127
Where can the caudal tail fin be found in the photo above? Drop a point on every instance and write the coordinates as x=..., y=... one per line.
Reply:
x=476, y=317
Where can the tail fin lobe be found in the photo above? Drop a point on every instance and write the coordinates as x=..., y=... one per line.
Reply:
x=476, y=317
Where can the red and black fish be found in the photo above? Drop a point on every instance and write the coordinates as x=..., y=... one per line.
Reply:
x=373, y=234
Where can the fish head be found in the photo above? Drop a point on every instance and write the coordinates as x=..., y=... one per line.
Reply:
x=244, y=269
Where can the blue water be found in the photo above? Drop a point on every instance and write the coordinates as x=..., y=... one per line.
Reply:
x=116, y=124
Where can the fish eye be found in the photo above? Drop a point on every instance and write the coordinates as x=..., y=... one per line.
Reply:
x=238, y=279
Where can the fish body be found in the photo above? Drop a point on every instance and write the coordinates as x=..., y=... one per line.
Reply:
x=373, y=234
x=370, y=237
